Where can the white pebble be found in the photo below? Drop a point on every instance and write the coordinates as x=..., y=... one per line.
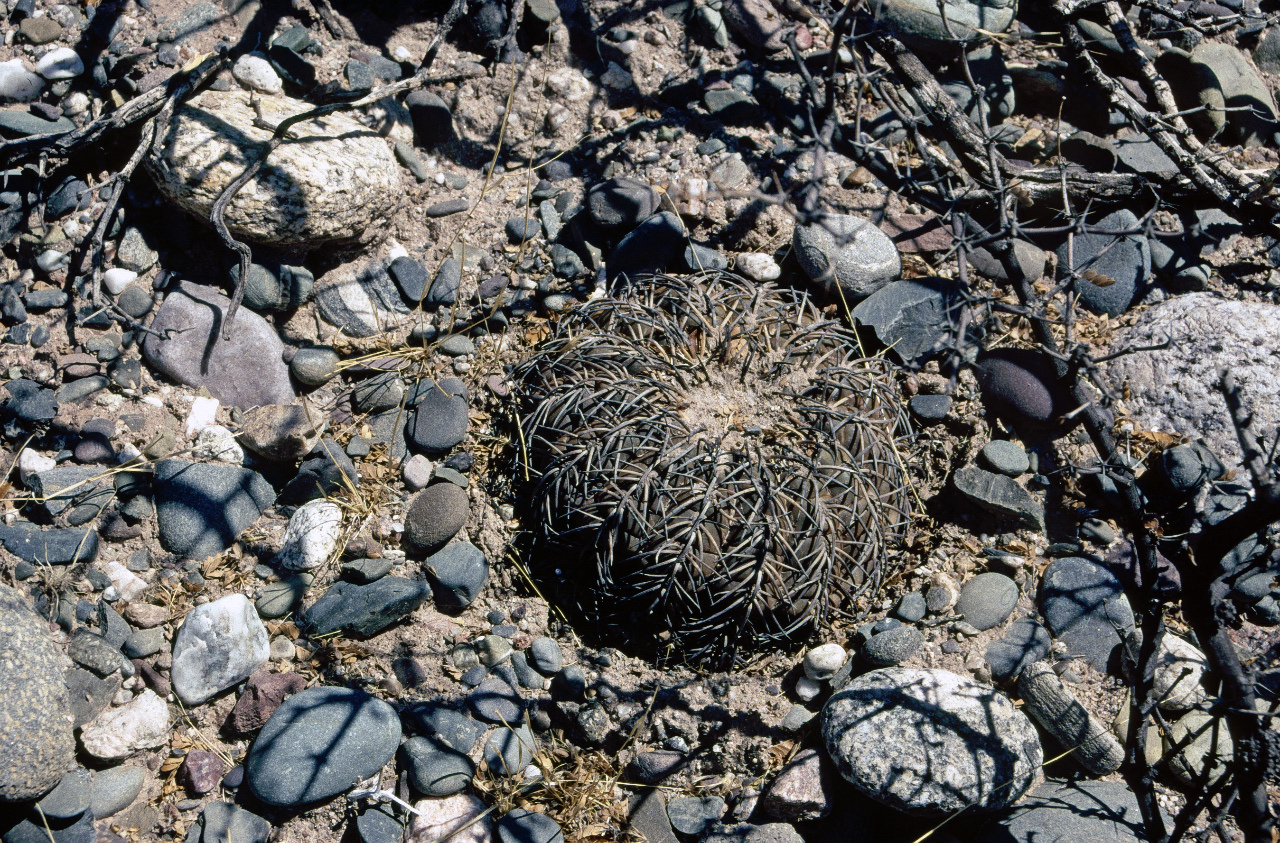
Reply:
x=51, y=260
x=119, y=732
x=417, y=472
x=257, y=74
x=60, y=63
x=396, y=251
x=17, y=84
x=215, y=442
x=203, y=413
x=823, y=661
x=129, y=585
x=758, y=266
x=807, y=689
x=32, y=462
x=117, y=278
x=312, y=535
x=76, y=104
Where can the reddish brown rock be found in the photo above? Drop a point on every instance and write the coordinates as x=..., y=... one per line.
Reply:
x=802, y=791
x=261, y=697
x=145, y=615
x=201, y=771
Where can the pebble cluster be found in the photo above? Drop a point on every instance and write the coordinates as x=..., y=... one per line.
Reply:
x=209, y=531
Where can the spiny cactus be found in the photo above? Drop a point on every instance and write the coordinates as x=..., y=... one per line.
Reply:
x=711, y=466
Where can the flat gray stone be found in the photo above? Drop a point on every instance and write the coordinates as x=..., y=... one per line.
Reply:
x=910, y=317
x=1005, y=457
x=1000, y=495
x=201, y=508
x=362, y=611
x=245, y=371
x=1113, y=269
x=49, y=545
x=70, y=798
x=1025, y=641
x=1084, y=605
x=510, y=749
x=223, y=822
x=319, y=743
x=1093, y=811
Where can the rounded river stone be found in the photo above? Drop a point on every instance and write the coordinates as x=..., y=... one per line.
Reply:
x=930, y=742
x=36, y=743
x=319, y=743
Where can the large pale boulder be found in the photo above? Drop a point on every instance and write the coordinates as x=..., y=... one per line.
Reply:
x=333, y=182
x=930, y=742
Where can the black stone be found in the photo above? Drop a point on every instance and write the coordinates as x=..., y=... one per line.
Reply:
x=71, y=195
x=411, y=277
x=458, y=573
x=362, y=611
x=44, y=299
x=48, y=545
x=444, y=288
x=440, y=418
x=655, y=245
x=432, y=119
x=320, y=474
x=1021, y=386
x=520, y=229
x=621, y=202
x=293, y=67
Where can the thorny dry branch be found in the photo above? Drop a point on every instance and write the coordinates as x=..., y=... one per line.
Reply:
x=981, y=192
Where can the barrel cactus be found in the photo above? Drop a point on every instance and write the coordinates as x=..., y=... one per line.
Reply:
x=710, y=467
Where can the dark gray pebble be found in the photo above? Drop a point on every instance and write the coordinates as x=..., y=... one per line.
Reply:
x=893, y=646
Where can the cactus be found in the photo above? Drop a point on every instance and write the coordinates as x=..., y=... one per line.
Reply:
x=711, y=467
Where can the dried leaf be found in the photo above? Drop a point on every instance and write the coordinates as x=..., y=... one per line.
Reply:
x=1097, y=279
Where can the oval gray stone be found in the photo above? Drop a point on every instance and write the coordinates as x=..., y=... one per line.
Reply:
x=36, y=743
x=987, y=599
x=847, y=252
x=319, y=743
x=436, y=769
x=114, y=789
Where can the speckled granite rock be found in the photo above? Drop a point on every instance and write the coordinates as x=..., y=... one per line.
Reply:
x=340, y=187
x=930, y=742
x=36, y=744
